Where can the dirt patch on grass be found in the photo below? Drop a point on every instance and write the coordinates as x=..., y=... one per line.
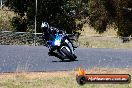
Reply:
x=109, y=39
x=89, y=31
x=5, y=20
x=60, y=74
x=62, y=79
x=110, y=71
x=34, y=75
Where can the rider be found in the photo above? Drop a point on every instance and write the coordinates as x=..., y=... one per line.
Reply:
x=48, y=34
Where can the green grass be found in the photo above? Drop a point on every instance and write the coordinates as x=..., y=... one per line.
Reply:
x=57, y=80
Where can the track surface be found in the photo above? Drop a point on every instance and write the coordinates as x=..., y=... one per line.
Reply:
x=31, y=58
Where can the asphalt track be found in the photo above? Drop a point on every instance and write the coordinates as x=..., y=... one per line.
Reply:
x=35, y=58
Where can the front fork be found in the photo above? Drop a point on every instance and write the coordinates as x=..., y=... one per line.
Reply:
x=70, y=46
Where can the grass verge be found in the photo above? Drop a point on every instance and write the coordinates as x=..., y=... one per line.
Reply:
x=103, y=42
x=87, y=40
x=57, y=79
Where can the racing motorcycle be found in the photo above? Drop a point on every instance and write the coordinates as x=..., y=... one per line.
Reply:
x=63, y=46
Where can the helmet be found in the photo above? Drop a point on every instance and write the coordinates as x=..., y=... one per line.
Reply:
x=45, y=26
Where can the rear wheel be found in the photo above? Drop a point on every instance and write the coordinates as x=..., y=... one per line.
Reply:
x=68, y=54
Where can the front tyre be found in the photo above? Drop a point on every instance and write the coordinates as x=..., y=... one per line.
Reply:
x=68, y=53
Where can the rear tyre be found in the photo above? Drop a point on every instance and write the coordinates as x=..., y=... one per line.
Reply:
x=68, y=54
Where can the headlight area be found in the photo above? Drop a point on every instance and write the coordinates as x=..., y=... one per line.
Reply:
x=57, y=42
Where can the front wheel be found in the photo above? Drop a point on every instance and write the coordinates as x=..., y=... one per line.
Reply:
x=68, y=53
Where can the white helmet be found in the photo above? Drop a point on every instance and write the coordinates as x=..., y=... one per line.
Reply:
x=45, y=27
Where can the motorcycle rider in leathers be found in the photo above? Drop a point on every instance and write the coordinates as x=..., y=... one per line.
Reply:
x=49, y=34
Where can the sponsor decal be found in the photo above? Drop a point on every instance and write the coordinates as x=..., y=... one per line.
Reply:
x=83, y=78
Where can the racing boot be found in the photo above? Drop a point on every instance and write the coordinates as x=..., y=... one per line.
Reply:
x=51, y=51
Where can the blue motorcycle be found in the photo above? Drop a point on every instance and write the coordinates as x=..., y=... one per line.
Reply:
x=63, y=46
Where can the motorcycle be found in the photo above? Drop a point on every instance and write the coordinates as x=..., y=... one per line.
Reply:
x=63, y=46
